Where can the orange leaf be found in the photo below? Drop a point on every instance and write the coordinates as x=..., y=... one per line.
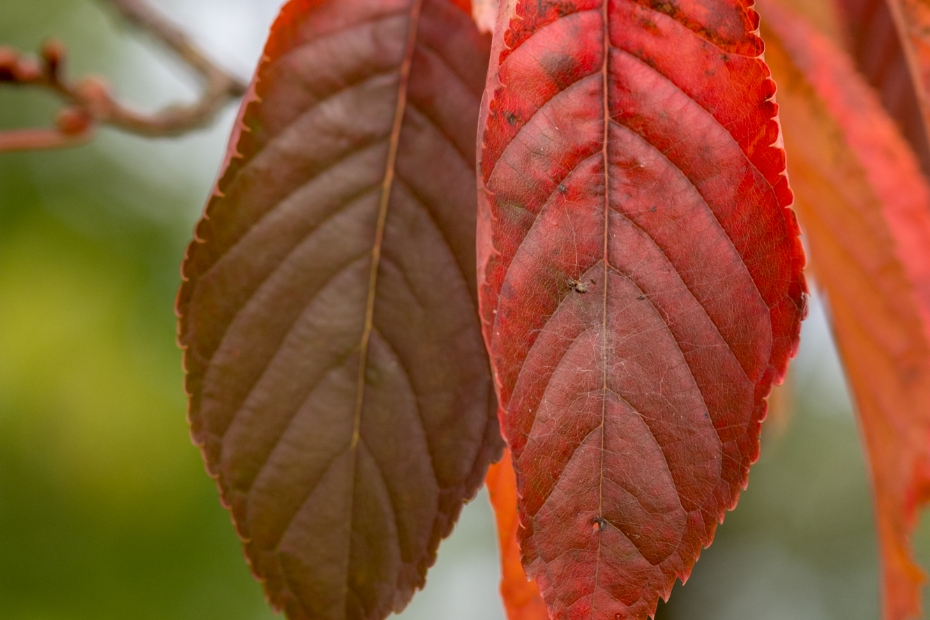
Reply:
x=864, y=208
x=520, y=594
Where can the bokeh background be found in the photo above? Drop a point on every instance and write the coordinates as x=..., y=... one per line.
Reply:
x=105, y=509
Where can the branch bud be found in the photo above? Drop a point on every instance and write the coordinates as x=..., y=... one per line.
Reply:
x=73, y=121
x=53, y=53
x=8, y=61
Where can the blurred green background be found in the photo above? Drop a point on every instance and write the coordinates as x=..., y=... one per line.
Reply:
x=105, y=509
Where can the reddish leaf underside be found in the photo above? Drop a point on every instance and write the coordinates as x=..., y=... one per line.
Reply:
x=866, y=213
x=875, y=44
x=338, y=382
x=912, y=21
x=522, y=600
x=640, y=283
x=912, y=17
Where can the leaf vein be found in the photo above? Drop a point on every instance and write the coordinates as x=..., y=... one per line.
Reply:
x=340, y=360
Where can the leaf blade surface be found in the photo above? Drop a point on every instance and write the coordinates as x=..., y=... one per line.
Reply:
x=339, y=388
x=640, y=281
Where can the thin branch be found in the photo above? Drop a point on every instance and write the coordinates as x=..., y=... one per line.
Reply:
x=90, y=102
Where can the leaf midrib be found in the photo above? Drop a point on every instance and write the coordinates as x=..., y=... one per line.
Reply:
x=605, y=16
x=387, y=185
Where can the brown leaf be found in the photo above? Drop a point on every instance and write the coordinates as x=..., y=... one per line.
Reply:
x=338, y=384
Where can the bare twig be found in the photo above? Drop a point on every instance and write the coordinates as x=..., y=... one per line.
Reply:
x=90, y=102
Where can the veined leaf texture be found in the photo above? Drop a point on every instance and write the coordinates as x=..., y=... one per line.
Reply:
x=338, y=383
x=640, y=283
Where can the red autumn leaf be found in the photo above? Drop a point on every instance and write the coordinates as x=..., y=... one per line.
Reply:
x=866, y=212
x=640, y=283
x=521, y=595
x=338, y=383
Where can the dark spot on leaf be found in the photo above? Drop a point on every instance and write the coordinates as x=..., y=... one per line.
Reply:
x=648, y=25
x=560, y=67
x=562, y=188
x=511, y=117
x=669, y=8
x=599, y=524
x=648, y=60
